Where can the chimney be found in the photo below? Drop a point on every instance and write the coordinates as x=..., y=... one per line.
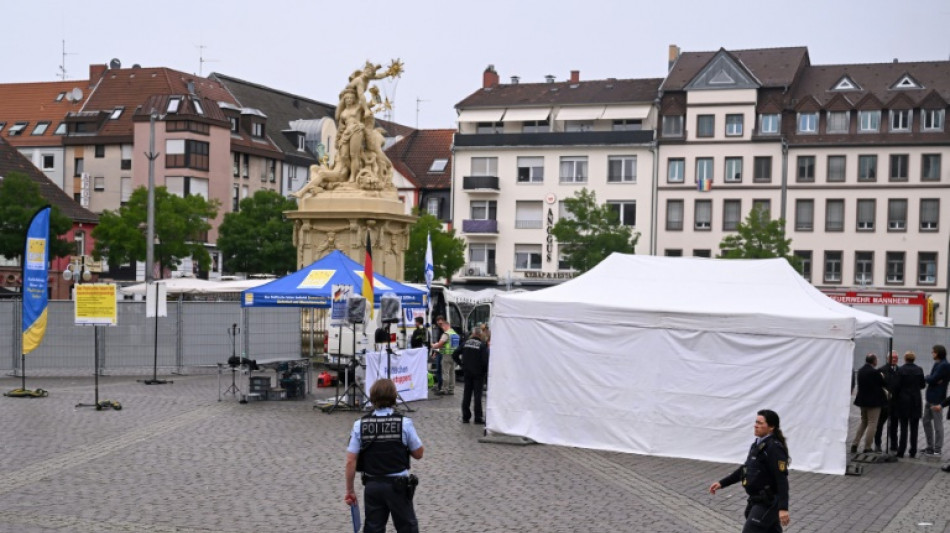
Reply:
x=895, y=60
x=549, y=78
x=674, y=55
x=515, y=80
x=191, y=87
x=489, y=77
x=96, y=72
x=575, y=76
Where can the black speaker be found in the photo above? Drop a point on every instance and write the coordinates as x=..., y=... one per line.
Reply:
x=382, y=336
x=355, y=309
x=389, y=308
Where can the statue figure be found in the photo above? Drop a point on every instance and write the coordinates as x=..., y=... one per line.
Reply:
x=360, y=161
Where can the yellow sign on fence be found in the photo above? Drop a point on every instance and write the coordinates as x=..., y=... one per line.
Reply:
x=96, y=304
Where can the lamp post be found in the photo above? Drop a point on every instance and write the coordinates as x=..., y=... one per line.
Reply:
x=150, y=242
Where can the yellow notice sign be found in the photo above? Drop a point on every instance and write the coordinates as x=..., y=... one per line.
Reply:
x=316, y=279
x=96, y=304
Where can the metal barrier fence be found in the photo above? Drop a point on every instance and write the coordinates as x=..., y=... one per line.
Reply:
x=194, y=334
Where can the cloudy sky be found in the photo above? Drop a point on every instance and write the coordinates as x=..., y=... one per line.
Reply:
x=309, y=47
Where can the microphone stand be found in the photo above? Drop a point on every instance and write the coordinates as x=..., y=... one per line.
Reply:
x=389, y=372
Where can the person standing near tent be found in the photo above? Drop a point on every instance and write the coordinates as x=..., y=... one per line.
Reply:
x=888, y=417
x=473, y=357
x=447, y=344
x=935, y=395
x=909, y=405
x=420, y=336
x=764, y=477
x=870, y=398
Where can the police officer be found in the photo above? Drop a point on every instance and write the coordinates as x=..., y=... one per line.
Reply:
x=764, y=477
x=473, y=357
x=380, y=447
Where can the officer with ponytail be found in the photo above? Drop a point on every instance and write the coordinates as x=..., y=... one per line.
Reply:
x=764, y=477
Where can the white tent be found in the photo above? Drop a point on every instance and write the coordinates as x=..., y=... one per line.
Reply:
x=198, y=286
x=673, y=357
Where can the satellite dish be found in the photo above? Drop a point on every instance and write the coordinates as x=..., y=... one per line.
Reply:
x=115, y=63
x=76, y=94
x=136, y=65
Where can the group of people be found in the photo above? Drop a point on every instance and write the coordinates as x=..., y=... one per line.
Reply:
x=889, y=396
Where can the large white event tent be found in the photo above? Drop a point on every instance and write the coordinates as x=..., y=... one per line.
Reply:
x=673, y=356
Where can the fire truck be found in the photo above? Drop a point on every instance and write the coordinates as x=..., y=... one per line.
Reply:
x=909, y=308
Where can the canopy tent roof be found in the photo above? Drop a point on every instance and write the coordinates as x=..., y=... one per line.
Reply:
x=312, y=286
x=196, y=286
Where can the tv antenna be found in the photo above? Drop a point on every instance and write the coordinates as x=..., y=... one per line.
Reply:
x=62, y=65
x=418, y=101
x=202, y=60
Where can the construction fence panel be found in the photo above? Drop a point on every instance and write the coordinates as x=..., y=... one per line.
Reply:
x=206, y=332
x=273, y=332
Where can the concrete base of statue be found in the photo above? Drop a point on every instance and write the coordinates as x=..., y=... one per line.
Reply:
x=339, y=219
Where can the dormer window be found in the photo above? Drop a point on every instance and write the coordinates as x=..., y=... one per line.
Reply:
x=173, y=105
x=900, y=119
x=932, y=119
x=198, y=109
x=846, y=84
x=17, y=129
x=116, y=113
x=869, y=121
x=234, y=124
x=807, y=122
x=438, y=165
x=257, y=129
x=301, y=142
x=906, y=82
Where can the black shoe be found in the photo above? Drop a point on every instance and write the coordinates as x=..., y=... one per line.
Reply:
x=465, y=420
x=867, y=450
x=899, y=456
x=877, y=449
x=480, y=421
x=439, y=393
x=912, y=455
x=928, y=451
x=854, y=449
x=946, y=469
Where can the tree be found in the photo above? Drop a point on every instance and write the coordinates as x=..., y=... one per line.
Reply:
x=20, y=198
x=180, y=224
x=759, y=237
x=257, y=239
x=448, y=251
x=591, y=232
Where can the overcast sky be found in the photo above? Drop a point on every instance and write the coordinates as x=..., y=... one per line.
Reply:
x=309, y=47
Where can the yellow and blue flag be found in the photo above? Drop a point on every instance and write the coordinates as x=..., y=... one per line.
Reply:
x=35, y=284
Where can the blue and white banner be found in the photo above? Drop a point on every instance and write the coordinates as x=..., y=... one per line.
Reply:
x=409, y=372
x=430, y=267
x=35, y=285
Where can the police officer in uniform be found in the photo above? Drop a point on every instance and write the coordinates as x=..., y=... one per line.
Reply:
x=764, y=477
x=380, y=447
x=473, y=358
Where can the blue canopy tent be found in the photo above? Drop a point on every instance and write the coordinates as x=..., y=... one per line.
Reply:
x=312, y=286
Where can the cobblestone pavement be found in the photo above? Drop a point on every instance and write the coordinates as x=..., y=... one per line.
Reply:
x=175, y=459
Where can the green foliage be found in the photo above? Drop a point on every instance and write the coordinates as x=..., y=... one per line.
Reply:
x=257, y=239
x=20, y=198
x=180, y=225
x=759, y=237
x=448, y=251
x=592, y=233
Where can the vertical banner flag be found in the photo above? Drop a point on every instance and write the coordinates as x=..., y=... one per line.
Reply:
x=368, y=276
x=35, y=272
x=704, y=184
x=429, y=268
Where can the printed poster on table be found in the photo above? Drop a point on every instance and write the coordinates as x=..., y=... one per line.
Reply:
x=409, y=372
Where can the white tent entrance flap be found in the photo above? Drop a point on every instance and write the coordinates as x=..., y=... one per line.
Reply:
x=673, y=357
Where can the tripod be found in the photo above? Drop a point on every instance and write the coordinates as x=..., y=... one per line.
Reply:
x=234, y=361
x=351, y=390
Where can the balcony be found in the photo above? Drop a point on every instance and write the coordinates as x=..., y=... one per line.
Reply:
x=573, y=138
x=480, y=226
x=479, y=270
x=480, y=183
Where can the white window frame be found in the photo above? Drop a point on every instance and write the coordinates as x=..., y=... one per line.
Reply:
x=869, y=121
x=831, y=125
x=932, y=119
x=770, y=123
x=929, y=214
x=484, y=166
x=702, y=215
x=927, y=268
x=51, y=158
x=432, y=206
x=808, y=122
x=831, y=273
x=735, y=124
x=528, y=257
x=896, y=268
x=620, y=206
x=733, y=170
x=863, y=268
x=438, y=165
x=529, y=214
x=804, y=215
x=865, y=211
x=530, y=169
x=675, y=170
x=483, y=210
x=628, y=168
x=673, y=125
x=897, y=214
x=901, y=120
x=173, y=105
x=573, y=169
x=704, y=168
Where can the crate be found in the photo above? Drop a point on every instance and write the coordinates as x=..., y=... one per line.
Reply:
x=260, y=384
x=276, y=394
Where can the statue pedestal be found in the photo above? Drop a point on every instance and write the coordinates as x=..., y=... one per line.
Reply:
x=339, y=219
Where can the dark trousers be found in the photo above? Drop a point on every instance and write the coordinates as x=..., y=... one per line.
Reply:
x=382, y=498
x=473, y=386
x=769, y=518
x=904, y=422
x=887, y=415
x=438, y=371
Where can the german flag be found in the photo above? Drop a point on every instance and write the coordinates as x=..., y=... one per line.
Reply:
x=368, y=276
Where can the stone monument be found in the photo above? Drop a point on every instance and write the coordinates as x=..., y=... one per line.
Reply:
x=354, y=194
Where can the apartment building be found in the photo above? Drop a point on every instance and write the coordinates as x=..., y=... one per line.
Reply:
x=522, y=148
x=422, y=172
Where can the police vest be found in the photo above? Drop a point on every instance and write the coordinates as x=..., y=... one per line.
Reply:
x=453, y=343
x=382, y=451
x=756, y=476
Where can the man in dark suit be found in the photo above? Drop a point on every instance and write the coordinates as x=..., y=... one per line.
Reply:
x=909, y=403
x=889, y=371
x=870, y=398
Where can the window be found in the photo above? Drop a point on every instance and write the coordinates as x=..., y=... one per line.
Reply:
x=836, y=168
x=675, y=170
x=762, y=169
x=832, y=267
x=703, y=215
x=869, y=121
x=60, y=130
x=895, y=268
x=17, y=129
x=804, y=215
x=734, y=125
x=99, y=183
x=930, y=167
x=929, y=214
x=49, y=161
x=932, y=119
x=484, y=166
x=527, y=257
x=834, y=215
x=438, y=165
x=79, y=237
x=40, y=128
x=173, y=104
x=236, y=198
x=625, y=210
x=528, y=215
x=900, y=120
x=236, y=165
x=563, y=213
x=235, y=122
x=897, y=214
x=808, y=122
x=125, y=189
x=733, y=170
x=484, y=209
x=272, y=170
x=927, y=268
x=765, y=206
x=126, y=162
x=257, y=129
x=704, y=168
x=77, y=166
x=489, y=127
x=562, y=262
x=806, y=168
x=702, y=252
x=185, y=186
x=731, y=214
x=673, y=252
x=536, y=126
x=198, y=107
x=578, y=125
x=864, y=268
x=482, y=255
x=116, y=113
x=186, y=153
x=674, y=215
x=899, y=164
x=530, y=169
x=673, y=126
x=302, y=143
x=804, y=258
x=246, y=165
x=769, y=124
x=866, y=215
x=574, y=170
x=432, y=206
x=705, y=125
x=622, y=169
x=867, y=168
x=100, y=150
x=838, y=122
x=627, y=124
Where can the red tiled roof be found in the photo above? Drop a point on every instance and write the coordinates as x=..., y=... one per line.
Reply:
x=35, y=103
x=609, y=91
x=413, y=155
x=773, y=67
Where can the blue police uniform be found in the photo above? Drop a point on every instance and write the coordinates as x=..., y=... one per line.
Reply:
x=764, y=477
